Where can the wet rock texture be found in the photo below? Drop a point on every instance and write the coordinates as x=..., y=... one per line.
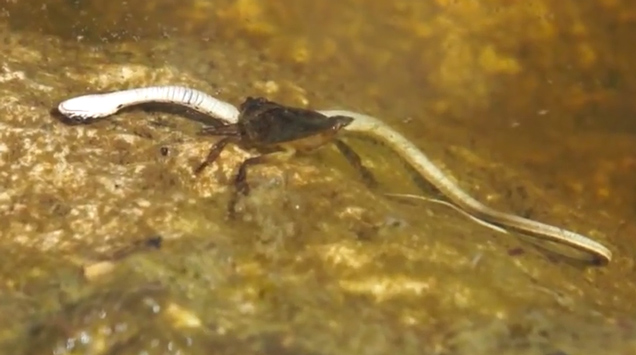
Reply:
x=110, y=244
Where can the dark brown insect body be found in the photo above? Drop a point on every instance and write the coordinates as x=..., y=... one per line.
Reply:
x=278, y=132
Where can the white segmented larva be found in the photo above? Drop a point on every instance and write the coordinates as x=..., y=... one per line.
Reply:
x=102, y=105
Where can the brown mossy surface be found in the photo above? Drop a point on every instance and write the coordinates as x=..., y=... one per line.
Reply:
x=527, y=104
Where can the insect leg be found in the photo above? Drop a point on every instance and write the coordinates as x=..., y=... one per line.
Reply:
x=354, y=159
x=219, y=130
x=240, y=181
x=214, y=153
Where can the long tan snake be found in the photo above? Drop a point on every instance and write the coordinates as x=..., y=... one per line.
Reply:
x=105, y=104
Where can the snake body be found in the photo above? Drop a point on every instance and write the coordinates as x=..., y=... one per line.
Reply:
x=102, y=105
x=435, y=176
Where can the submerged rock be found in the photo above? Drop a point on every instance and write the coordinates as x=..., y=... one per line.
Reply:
x=316, y=263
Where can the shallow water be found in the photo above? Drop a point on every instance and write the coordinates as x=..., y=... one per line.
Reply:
x=527, y=103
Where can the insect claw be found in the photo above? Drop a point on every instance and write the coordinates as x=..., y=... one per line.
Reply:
x=231, y=208
x=244, y=189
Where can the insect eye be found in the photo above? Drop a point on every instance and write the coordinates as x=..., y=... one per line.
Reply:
x=251, y=102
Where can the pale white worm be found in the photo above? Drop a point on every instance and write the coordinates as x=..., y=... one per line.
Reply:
x=92, y=106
